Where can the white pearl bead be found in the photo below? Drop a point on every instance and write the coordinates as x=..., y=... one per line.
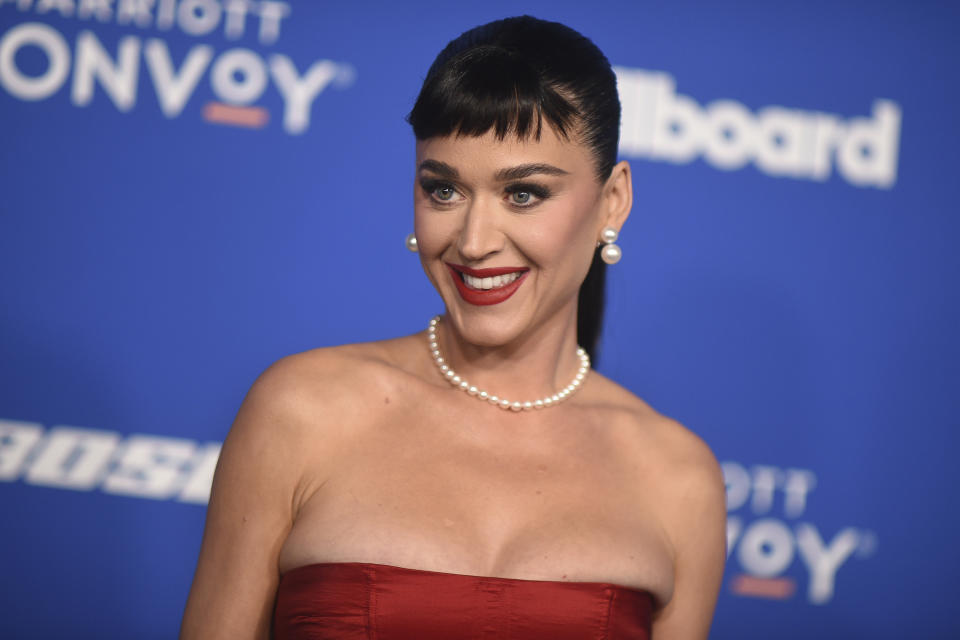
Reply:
x=516, y=406
x=472, y=390
x=609, y=234
x=611, y=254
x=494, y=400
x=527, y=406
x=483, y=395
x=444, y=368
x=538, y=404
x=450, y=374
x=504, y=403
x=464, y=385
x=455, y=379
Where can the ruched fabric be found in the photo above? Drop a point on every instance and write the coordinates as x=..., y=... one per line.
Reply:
x=354, y=600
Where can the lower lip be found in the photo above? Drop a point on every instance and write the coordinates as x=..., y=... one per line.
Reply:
x=487, y=296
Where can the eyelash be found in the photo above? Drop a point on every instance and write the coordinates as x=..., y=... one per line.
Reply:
x=539, y=192
x=430, y=186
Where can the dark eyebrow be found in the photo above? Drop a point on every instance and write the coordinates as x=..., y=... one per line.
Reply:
x=526, y=170
x=440, y=168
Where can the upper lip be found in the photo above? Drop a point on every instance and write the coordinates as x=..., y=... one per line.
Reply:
x=485, y=273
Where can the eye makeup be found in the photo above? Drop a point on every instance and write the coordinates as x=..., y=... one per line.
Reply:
x=433, y=187
x=443, y=192
x=538, y=191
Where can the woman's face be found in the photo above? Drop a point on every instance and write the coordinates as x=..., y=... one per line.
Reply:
x=507, y=228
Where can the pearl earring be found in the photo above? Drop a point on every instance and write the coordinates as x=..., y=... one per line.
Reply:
x=412, y=243
x=610, y=253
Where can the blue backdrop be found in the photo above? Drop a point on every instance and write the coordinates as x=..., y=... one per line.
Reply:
x=192, y=189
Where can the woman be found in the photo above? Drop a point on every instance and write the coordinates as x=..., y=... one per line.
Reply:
x=475, y=479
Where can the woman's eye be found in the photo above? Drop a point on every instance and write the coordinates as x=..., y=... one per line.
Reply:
x=444, y=193
x=526, y=195
x=440, y=192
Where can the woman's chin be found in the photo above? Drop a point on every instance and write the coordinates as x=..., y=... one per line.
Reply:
x=481, y=327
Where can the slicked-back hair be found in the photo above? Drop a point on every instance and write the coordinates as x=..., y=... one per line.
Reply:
x=510, y=75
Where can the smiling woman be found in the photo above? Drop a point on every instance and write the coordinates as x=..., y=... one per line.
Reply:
x=360, y=494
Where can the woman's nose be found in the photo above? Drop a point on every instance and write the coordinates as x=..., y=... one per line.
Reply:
x=480, y=235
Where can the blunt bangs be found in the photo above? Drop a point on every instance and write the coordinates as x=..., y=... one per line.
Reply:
x=490, y=88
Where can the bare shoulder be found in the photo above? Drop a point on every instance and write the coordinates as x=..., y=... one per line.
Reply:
x=322, y=383
x=306, y=408
x=666, y=447
x=325, y=371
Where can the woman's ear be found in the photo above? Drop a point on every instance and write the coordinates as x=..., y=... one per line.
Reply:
x=617, y=197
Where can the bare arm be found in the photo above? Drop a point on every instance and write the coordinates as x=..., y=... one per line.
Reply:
x=697, y=522
x=250, y=513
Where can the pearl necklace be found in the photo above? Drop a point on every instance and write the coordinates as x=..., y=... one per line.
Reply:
x=503, y=403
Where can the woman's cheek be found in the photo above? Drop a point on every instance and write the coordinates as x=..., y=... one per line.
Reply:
x=564, y=235
x=432, y=240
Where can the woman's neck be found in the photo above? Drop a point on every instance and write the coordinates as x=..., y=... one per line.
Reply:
x=534, y=365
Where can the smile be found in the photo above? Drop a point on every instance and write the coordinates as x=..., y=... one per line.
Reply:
x=489, y=283
x=486, y=286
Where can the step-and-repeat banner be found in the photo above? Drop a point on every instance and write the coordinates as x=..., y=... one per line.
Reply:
x=192, y=189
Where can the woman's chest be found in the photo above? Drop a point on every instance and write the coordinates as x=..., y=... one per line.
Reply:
x=573, y=511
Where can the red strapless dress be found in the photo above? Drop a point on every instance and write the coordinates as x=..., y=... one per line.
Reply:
x=353, y=600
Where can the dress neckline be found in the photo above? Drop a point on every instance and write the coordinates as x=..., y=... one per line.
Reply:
x=397, y=569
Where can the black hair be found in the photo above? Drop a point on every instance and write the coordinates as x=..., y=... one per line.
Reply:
x=508, y=76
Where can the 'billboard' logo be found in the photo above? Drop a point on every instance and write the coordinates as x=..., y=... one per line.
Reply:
x=660, y=124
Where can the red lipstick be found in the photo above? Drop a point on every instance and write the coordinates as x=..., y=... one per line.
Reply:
x=482, y=297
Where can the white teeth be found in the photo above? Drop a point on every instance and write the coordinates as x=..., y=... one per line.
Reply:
x=490, y=283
